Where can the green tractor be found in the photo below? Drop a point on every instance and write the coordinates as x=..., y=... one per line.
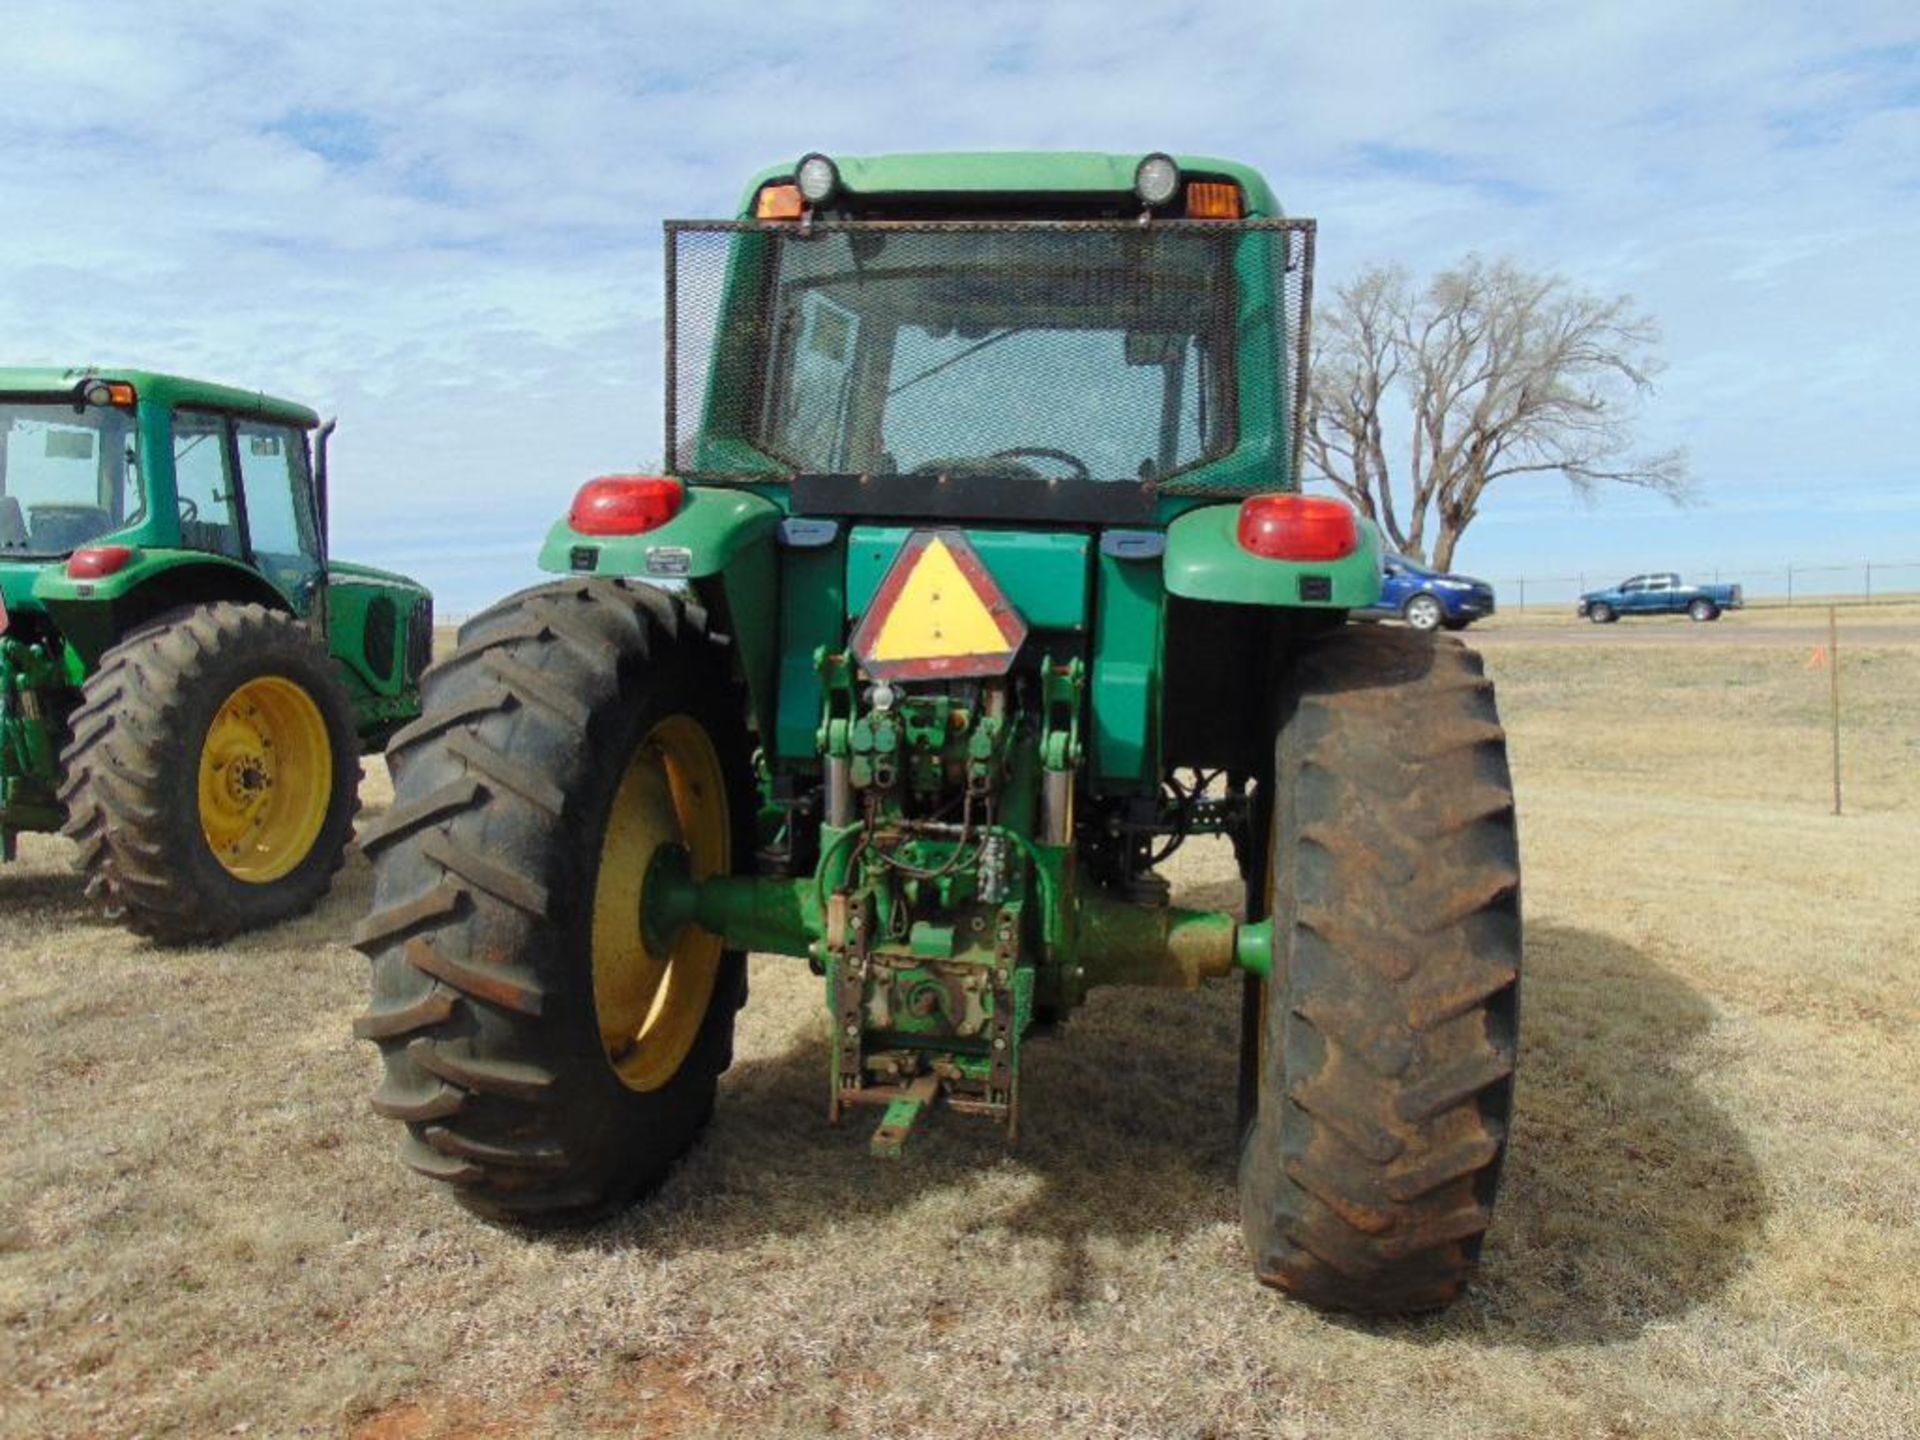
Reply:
x=186, y=680
x=979, y=581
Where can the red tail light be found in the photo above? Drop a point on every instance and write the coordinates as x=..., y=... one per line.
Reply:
x=1298, y=527
x=96, y=562
x=626, y=504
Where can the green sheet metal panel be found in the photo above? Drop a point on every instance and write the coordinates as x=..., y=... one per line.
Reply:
x=1008, y=172
x=1044, y=575
x=1124, y=697
x=812, y=618
x=161, y=390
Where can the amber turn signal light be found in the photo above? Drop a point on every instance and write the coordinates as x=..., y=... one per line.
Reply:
x=109, y=392
x=778, y=202
x=1214, y=200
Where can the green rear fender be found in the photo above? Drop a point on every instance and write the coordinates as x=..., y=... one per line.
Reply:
x=93, y=614
x=722, y=544
x=1205, y=561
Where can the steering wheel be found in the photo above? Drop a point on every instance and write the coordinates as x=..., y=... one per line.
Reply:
x=189, y=511
x=1081, y=470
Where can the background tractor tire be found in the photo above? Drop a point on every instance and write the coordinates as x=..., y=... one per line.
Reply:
x=219, y=724
x=486, y=871
x=1382, y=1051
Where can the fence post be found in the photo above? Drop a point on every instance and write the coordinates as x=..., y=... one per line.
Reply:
x=1833, y=671
x=1789, y=586
x=1869, y=582
x=1523, y=592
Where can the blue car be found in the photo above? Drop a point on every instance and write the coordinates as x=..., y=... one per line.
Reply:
x=1429, y=599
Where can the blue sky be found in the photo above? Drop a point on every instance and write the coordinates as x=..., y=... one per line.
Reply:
x=441, y=222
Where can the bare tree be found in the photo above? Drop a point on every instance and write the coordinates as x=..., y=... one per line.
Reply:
x=1500, y=373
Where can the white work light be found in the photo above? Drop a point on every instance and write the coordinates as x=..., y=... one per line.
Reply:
x=817, y=177
x=1157, y=180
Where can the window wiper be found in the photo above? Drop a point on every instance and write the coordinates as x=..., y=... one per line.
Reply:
x=953, y=360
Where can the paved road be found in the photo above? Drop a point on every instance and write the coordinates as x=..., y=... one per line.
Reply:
x=1678, y=631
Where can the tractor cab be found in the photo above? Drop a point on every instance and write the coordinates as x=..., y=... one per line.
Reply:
x=99, y=468
x=1069, y=354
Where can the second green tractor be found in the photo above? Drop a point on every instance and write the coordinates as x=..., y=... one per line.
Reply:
x=187, y=679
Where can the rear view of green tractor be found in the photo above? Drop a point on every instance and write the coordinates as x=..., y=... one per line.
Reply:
x=186, y=680
x=979, y=583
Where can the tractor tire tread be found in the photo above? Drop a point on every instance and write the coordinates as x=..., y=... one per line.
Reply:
x=480, y=879
x=128, y=750
x=1369, y=1168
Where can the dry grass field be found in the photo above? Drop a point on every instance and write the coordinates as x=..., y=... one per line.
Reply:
x=1710, y=1227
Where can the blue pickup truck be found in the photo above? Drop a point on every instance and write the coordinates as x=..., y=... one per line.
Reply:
x=1429, y=599
x=1659, y=594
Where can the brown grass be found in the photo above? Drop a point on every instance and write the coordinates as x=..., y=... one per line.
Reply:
x=1711, y=1225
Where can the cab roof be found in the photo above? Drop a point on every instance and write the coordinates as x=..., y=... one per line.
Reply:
x=157, y=386
x=1004, y=172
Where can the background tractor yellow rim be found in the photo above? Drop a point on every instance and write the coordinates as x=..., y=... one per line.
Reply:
x=266, y=779
x=650, y=1005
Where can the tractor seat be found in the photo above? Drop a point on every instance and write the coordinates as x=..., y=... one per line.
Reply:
x=13, y=524
x=214, y=538
x=60, y=528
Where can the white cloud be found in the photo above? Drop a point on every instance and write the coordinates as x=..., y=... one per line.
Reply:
x=443, y=221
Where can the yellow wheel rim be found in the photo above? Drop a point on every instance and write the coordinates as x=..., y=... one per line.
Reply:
x=266, y=779
x=650, y=1005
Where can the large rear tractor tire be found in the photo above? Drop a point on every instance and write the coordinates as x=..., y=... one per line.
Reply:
x=1381, y=1053
x=211, y=774
x=549, y=1060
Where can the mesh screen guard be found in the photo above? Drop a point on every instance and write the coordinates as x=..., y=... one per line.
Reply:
x=1046, y=350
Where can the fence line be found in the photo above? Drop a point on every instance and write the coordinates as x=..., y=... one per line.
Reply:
x=1865, y=582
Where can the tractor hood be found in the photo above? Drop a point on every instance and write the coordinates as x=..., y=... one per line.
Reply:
x=346, y=572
